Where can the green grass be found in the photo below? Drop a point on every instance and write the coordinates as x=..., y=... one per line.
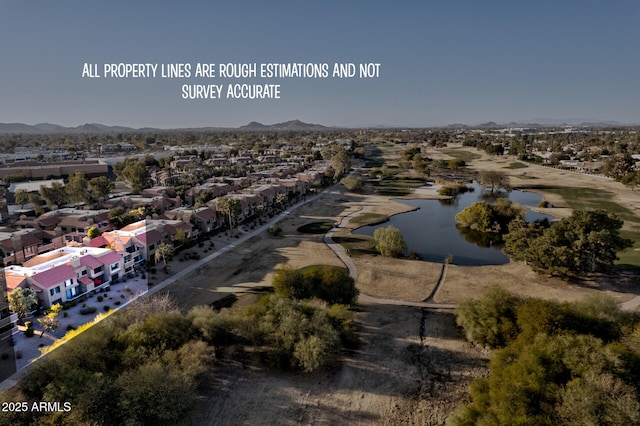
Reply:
x=316, y=227
x=357, y=245
x=516, y=165
x=465, y=156
x=369, y=219
x=590, y=199
x=595, y=199
x=397, y=187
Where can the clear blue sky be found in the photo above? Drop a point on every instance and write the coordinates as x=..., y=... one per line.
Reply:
x=442, y=61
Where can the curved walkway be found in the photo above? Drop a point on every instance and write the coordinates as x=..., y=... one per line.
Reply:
x=353, y=273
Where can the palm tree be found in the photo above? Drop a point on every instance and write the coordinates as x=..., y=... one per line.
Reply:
x=163, y=252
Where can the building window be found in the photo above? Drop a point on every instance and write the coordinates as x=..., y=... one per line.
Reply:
x=97, y=270
x=72, y=292
x=54, y=291
x=115, y=266
x=69, y=282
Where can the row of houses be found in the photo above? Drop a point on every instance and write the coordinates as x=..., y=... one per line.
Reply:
x=77, y=268
x=53, y=255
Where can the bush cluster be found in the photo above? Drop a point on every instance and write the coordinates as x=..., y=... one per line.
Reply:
x=329, y=283
x=555, y=363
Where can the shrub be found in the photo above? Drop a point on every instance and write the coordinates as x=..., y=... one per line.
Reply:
x=128, y=289
x=65, y=314
x=88, y=310
x=71, y=327
x=454, y=190
x=275, y=230
x=29, y=332
x=106, y=308
x=490, y=320
x=117, y=303
x=100, y=298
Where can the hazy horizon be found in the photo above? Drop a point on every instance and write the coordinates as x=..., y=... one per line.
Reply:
x=440, y=63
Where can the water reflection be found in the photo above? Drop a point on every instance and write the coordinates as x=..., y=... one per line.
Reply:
x=431, y=231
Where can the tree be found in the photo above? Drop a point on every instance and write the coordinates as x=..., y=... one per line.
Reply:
x=151, y=395
x=163, y=252
x=586, y=241
x=339, y=158
x=135, y=172
x=35, y=201
x=55, y=195
x=517, y=240
x=456, y=163
x=77, y=189
x=389, y=241
x=494, y=179
x=617, y=166
x=22, y=300
x=352, y=183
x=291, y=283
x=22, y=197
x=49, y=321
x=329, y=283
x=93, y=232
x=631, y=179
x=230, y=206
x=101, y=186
x=485, y=217
x=491, y=320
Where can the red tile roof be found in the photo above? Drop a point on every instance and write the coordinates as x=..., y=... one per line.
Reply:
x=54, y=276
x=85, y=280
x=100, y=241
x=110, y=258
x=90, y=261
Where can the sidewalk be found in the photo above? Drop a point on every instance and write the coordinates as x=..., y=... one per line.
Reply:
x=27, y=349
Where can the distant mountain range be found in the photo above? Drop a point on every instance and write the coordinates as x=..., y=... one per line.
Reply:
x=547, y=122
x=48, y=128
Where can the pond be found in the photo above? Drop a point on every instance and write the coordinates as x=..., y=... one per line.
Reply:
x=431, y=232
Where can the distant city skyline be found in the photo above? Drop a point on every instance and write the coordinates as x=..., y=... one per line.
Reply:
x=440, y=62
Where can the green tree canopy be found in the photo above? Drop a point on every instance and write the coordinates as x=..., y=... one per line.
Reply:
x=21, y=197
x=352, y=183
x=585, y=242
x=389, y=241
x=93, y=232
x=135, y=172
x=77, y=188
x=22, y=300
x=55, y=195
x=101, y=186
x=229, y=206
x=329, y=283
x=485, y=217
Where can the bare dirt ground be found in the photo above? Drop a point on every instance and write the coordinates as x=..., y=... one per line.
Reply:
x=395, y=378
x=413, y=366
